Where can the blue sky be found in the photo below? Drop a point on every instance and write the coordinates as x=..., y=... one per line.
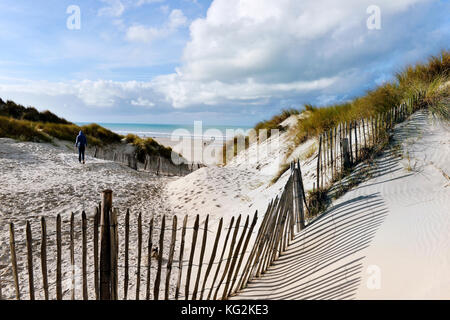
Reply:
x=220, y=61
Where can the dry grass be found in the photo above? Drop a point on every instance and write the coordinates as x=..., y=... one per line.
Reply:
x=148, y=146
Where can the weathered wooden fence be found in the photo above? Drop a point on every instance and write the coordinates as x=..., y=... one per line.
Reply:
x=183, y=262
x=156, y=164
x=342, y=147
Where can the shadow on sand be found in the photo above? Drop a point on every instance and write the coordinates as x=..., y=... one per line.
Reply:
x=325, y=260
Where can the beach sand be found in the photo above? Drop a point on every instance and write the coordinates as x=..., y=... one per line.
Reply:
x=396, y=221
x=387, y=238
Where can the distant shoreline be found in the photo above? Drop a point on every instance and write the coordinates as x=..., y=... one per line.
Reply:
x=164, y=132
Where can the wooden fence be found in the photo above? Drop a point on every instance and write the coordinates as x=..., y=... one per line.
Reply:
x=156, y=164
x=342, y=147
x=180, y=264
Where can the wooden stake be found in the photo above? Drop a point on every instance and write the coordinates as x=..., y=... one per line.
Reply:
x=247, y=240
x=44, y=257
x=202, y=254
x=170, y=260
x=149, y=258
x=95, y=239
x=139, y=255
x=84, y=254
x=213, y=255
x=126, y=277
x=105, y=246
x=58, y=258
x=29, y=240
x=72, y=254
x=230, y=254
x=180, y=261
x=318, y=162
x=221, y=258
x=12, y=246
x=160, y=257
x=191, y=258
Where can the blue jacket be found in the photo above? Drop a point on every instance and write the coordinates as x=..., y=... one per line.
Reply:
x=81, y=140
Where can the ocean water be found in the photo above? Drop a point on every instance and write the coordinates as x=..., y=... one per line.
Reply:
x=199, y=131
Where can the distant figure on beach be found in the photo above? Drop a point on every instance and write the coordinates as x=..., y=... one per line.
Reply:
x=81, y=143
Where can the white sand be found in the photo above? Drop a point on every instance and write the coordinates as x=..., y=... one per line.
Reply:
x=385, y=239
x=40, y=179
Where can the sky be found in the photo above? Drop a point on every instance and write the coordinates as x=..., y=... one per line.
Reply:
x=232, y=62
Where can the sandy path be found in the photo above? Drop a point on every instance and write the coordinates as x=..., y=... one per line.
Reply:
x=385, y=239
x=45, y=180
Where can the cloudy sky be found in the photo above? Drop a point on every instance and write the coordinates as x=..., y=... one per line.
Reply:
x=220, y=61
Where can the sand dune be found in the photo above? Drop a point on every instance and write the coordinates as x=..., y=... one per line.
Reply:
x=385, y=239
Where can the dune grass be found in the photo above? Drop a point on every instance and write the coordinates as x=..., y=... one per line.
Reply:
x=21, y=130
x=148, y=146
x=16, y=111
x=426, y=80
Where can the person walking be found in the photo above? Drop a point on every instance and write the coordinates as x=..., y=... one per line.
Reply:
x=81, y=143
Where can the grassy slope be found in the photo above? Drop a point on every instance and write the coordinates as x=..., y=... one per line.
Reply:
x=426, y=79
x=28, y=124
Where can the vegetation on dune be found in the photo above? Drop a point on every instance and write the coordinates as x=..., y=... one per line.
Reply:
x=428, y=80
x=12, y=110
x=28, y=124
x=148, y=146
x=238, y=141
x=275, y=121
x=21, y=130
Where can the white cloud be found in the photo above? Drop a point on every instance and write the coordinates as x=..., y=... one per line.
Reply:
x=177, y=19
x=142, y=102
x=142, y=2
x=115, y=8
x=261, y=48
x=141, y=33
x=258, y=52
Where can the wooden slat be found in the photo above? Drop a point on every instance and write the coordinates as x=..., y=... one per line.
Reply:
x=212, y=257
x=105, y=246
x=244, y=248
x=221, y=258
x=95, y=239
x=44, y=257
x=139, y=254
x=200, y=262
x=149, y=259
x=160, y=258
x=126, y=277
x=191, y=258
x=170, y=260
x=236, y=253
x=58, y=258
x=262, y=255
x=230, y=255
x=12, y=246
x=253, y=258
x=84, y=254
x=29, y=240
x=180, y=261
x=267, y=253
x=72, y=255
x=318, y=162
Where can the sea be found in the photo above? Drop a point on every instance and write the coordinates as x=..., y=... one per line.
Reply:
x=197, y=130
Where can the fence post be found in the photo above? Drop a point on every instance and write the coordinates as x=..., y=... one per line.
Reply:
x=346, y=153
x=105, y=246
x=318, y=162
